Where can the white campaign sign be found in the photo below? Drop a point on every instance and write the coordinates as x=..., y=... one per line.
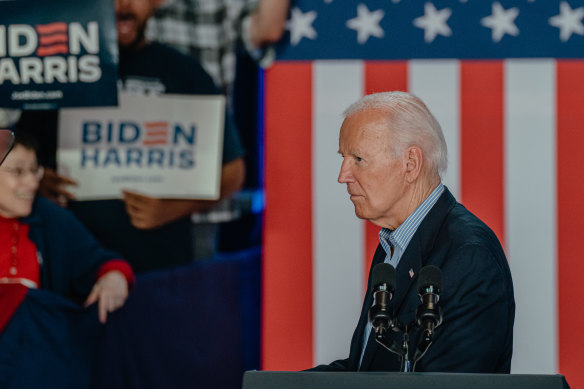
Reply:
x=166, y=146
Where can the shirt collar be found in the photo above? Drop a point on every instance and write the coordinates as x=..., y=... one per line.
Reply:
x=401, y=236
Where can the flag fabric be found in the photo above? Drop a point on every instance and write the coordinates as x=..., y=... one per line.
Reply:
x=505, y=82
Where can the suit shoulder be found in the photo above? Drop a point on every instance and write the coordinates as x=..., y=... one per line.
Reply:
x=464, y=227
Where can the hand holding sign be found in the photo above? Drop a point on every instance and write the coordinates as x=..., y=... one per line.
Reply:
x=52, y=186
x=147, y=212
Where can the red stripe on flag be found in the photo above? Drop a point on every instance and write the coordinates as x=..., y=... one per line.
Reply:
x=570, y=186
x=287, y=321
x=481, y=142
x=381, y=77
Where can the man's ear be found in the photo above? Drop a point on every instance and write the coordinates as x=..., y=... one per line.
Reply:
x=414, y=161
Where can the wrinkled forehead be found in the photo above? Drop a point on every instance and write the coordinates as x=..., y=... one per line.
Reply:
x=365, y=131
x=367, y=123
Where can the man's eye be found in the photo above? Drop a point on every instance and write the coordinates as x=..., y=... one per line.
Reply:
x=359, y=159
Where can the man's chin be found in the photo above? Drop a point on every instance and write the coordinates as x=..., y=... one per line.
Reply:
x=131, y=43
x=360, y=214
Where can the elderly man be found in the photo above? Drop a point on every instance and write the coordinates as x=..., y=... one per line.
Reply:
x=394, y=154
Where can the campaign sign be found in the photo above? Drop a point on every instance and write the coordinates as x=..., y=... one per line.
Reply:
x=166, y=146
x=58, y=53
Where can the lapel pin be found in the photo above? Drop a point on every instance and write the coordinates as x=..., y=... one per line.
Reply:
x=411, y=273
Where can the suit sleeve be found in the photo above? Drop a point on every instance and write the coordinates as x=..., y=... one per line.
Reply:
x=338, y=365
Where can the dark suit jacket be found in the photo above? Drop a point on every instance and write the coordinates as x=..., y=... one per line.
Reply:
x=476, y=334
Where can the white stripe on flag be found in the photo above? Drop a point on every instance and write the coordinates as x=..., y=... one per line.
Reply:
x=437, y=83
x=338, y=234
x=530, y=183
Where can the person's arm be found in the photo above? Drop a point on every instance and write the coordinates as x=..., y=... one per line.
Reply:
x=148, y=213
x=267, y=22
x=77, y=265
x=338, y=365
x=110, y=292
x=115, y=278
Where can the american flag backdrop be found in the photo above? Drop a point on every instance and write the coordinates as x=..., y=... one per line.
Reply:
x=505, y=81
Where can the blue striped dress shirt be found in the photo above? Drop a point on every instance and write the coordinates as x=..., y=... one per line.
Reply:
x=399, y=240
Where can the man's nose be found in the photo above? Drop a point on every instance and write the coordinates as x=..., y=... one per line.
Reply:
x=345, y=173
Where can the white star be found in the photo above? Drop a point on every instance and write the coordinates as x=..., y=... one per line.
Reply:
x=300, y=26
x=501, y=21
x=366, y=23
x=434, y=22
x=569, y=21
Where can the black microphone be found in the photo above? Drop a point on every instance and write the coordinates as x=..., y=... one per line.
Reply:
x=429, y=314
x=383, y=288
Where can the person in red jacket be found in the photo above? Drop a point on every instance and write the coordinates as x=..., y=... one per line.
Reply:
x=52, y=273
x=26, y=259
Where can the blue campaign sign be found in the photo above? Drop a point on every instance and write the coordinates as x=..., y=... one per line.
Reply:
x=59, y=53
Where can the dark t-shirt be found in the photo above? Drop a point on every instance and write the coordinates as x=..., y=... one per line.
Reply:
x=154, y=69
x=157, y=69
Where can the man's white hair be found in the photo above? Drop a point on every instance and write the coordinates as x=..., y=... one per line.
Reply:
x=411, y=123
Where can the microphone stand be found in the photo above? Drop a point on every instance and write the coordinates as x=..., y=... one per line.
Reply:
x=407, y=365
x=402, y=351
x=428, y=317
x=421, y=349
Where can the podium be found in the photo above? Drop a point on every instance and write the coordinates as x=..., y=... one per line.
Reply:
x=384, y=380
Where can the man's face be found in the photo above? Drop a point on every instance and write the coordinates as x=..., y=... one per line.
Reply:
x=131, y=18
x=375, y=179
x=19, y=181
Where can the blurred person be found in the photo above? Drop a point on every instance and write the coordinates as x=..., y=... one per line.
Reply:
x=230, y=38
x=45, y=246
x=51, y=270
x=213, y=30
x=393, y=154
x=150, y=233
x=6, y=141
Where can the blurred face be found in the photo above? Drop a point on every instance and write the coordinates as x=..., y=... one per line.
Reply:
x=19, y=181
x=6, y=141
x=131, y=18
x=375, y=180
